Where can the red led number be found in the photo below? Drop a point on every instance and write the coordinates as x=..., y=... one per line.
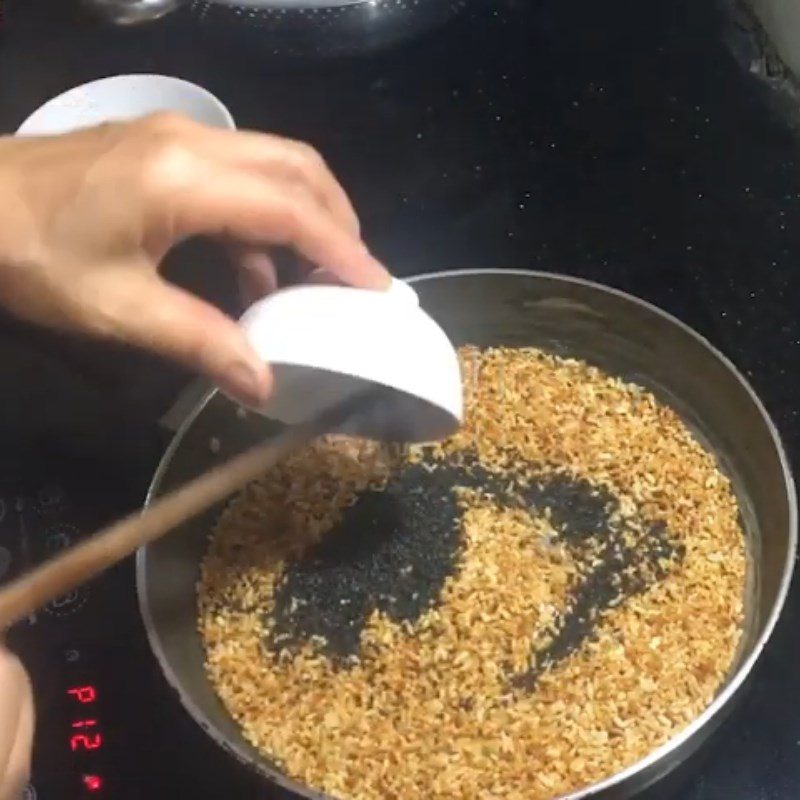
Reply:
x=82, y=741
x=93, y=782
x=83, y=694
x=84, y=723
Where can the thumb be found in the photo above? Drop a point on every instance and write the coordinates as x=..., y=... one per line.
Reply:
x=183, y=328
x=16, y=726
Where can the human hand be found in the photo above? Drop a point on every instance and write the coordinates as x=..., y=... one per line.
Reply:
x=88, y=217
x=16, y=726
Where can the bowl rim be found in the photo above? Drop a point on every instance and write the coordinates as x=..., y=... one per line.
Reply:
x=675, y=743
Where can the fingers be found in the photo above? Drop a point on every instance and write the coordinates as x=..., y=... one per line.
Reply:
x=12, y=678
x=289, y=160
x=16, y=726
x=233, y=203
x=147, y=312
x=256, y=274
x=258, y=189
x=322, y=276
x=19, y=763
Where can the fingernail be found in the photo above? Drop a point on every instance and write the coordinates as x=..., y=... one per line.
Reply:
x=247, y=383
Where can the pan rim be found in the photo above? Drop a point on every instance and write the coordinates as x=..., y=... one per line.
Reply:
x=713, y=712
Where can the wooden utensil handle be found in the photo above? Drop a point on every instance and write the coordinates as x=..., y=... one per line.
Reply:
x=63, y=573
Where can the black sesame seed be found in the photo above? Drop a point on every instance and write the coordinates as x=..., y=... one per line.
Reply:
x=394, y=549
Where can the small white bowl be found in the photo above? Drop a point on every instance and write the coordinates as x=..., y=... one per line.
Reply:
x=121, y=98
x=328, y=343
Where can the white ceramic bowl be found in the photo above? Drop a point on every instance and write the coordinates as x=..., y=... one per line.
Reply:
x=327, y=343
x=125, y=97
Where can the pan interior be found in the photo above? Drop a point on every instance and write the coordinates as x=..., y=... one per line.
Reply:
x=569, y=318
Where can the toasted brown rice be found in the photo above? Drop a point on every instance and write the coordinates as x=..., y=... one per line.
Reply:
x=427, y=709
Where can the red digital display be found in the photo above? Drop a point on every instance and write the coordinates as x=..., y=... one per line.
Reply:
x=85, y=734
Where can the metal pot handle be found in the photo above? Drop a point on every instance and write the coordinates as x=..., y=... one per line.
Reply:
x=132, y=12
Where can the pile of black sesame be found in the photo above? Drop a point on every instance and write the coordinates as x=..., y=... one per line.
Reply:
x=394, y=549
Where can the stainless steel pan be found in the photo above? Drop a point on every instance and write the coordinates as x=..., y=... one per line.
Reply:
x=615, y=331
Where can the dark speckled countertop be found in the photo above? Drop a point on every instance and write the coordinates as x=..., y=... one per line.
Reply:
x=636, y=144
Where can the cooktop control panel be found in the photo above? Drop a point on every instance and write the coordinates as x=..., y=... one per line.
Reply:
x=73, y=647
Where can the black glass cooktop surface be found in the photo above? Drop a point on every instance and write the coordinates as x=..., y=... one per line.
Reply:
x=639, y=145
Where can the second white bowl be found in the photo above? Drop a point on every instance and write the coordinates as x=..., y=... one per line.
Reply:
x=125, y=97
